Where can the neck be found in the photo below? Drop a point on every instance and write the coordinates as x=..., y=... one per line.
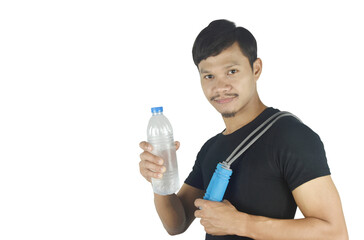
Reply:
x=243, y=117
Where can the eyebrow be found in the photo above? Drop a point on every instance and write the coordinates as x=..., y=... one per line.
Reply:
x=202, y=71
x=231, y=65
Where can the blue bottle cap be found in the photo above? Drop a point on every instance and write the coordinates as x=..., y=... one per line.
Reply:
x=157, y=109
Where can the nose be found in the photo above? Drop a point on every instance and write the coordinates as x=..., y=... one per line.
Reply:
x=222, y=85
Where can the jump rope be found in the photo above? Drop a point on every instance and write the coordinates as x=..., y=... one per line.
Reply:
x=220, y=179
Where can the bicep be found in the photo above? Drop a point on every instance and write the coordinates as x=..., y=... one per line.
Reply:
x=319, y=198
x=187, y=195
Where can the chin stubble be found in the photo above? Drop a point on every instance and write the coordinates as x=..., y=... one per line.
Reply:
x=228, y=115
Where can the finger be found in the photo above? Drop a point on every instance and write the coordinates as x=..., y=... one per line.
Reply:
x=146, y=146
x=201, y=203
x=143, y=172
x=177, y=145
x=203, y=222
x=149, y=175
x=149, y=171
x=150, y=166
x=198, y=214
x=147, y=156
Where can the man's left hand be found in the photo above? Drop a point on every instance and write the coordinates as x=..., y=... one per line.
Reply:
x=218, y=218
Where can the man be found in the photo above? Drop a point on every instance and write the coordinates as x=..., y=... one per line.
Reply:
x=284, y=169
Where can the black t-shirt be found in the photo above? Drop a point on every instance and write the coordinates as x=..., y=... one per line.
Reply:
x=286, y=156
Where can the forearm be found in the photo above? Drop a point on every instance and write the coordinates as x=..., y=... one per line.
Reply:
x=171, y=212
x=257, y=227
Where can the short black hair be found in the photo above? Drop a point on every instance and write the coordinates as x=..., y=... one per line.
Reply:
x=219, y=35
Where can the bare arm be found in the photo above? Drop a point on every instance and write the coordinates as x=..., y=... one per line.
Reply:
x=318, y=200
x=176, y=211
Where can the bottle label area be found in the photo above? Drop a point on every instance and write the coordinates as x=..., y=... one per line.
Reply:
x=169, y=183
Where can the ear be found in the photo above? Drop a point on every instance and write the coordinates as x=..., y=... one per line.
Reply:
x=257, y=68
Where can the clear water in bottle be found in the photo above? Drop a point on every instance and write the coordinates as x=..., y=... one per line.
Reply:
x=160, y=135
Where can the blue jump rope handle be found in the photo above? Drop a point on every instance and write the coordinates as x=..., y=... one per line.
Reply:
x=218, y=184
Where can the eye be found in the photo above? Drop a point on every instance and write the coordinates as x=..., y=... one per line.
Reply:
x=233, y=71
x=208, y=76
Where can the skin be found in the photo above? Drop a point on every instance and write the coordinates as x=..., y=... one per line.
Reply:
x=229, y=84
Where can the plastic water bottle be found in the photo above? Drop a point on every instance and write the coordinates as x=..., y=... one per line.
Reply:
x=160, y=135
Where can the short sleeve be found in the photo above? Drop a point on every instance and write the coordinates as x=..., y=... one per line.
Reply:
x=195, y=178
x=301, y=154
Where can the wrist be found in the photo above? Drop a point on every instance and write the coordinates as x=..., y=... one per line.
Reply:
x=254, y=226
x=241, y=224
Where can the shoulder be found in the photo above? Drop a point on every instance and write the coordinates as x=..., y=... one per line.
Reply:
x=291, y=131
x=209, y=143
x=298, y=151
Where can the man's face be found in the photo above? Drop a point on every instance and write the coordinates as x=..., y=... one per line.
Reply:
x=228, y=81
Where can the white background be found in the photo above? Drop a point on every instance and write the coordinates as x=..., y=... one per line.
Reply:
x=78, y=79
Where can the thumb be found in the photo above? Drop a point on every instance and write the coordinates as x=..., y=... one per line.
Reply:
x=177, y=145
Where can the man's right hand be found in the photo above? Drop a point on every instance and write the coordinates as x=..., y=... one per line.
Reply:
x=176, y=211
x=150, y=165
